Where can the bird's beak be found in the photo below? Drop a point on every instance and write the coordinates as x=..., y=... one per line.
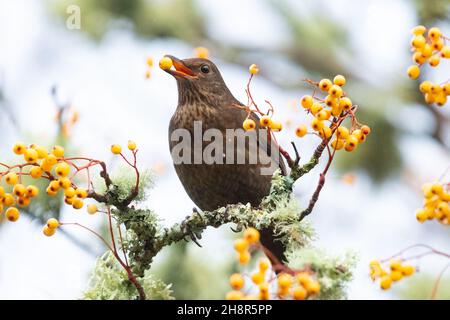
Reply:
x=181, y=70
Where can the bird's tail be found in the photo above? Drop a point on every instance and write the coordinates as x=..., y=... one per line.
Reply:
x=274, y=246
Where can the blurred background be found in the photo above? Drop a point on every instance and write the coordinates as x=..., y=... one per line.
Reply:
x=87, y=89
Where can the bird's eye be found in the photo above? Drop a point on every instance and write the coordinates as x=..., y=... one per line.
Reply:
x=204, y=68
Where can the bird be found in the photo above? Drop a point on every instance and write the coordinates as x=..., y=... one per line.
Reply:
x=204, y=96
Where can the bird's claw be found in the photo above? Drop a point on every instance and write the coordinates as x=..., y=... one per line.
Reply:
x=186, y=229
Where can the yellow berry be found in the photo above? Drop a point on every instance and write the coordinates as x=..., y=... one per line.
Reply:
x=430, y=98
x=77, y=203
x=413, y=72
x=335, y=91
x=81, y=193
x=421, y=215
x=32, y=191
x=317, y=124
x=92, y=208
x=446, y=88
x=42, y=151
x=11, y=178
x=12, y=214
x=19, y=148
x=19, y=190
x=418, y=30
x=51, y=159
x=396, y=275
x=407, y=270
x=316, y=108
x=69, y=200
x=345, y=103
x=36, y=172
x=325, y=132
x=131, y=145
x=445, y=52
x=54, y=185
x=425, y=86
x=385, y=282
x=331, y=101
x=251, y=235
x=324, y=114
x=434, y=34
x=201, y=52
x=365, y=130
x=265, y=121
x=303, y=278
x=437, y=188
x=418, y=41
x=69, y=192
x=299, y=293
x=352, y=141
x=52, y=223
x=263, y=264
x=276, y=126
x=249, y=124
x=116, y=149
x=264, y=291
x=253, y=69
x=307, y=102
x=30, y=155
x=58, y=151
x=418, y=58
x=313, y=287
x=284, y=280
x=165, y=63
x=325, y=84
x=301, y=131
x=244, y=257
x=434, y=60
x=64, y=182
x=395, y=264
x=236, y=281
x=426, y=51
x=337, y=144
x=48, y=231
x=23, y=201
x=339, y=80
x=240, y=245
x=2, y=192
x=234, y=295
x=62, y=169
x=258, y=277
x=8, y=199
x=342, y=132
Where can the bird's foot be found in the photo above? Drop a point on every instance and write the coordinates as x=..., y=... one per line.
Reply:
x=188, y=232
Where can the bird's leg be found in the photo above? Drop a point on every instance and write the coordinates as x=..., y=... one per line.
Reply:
x=186, y=230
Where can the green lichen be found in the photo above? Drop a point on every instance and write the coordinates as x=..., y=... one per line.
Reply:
x=109, y=281
x=333, y=272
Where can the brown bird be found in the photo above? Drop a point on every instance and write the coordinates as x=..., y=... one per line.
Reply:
x=203, y=96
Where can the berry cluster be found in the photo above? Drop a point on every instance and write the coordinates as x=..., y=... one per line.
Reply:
x=436, y=203
x=329, y=113
x=396, y=271
x=429, y=48
x=265, y=120
x=53, y=166
x=290, y=284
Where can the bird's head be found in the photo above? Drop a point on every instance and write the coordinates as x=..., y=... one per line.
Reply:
x=198, y=78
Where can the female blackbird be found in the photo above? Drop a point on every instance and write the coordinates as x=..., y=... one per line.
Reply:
x=203, y=96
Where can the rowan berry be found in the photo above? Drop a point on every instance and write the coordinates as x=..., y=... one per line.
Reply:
x=165, y=63
x=12, y=214
x=116, y=149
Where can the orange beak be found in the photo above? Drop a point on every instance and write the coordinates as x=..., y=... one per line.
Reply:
x=181, y=70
